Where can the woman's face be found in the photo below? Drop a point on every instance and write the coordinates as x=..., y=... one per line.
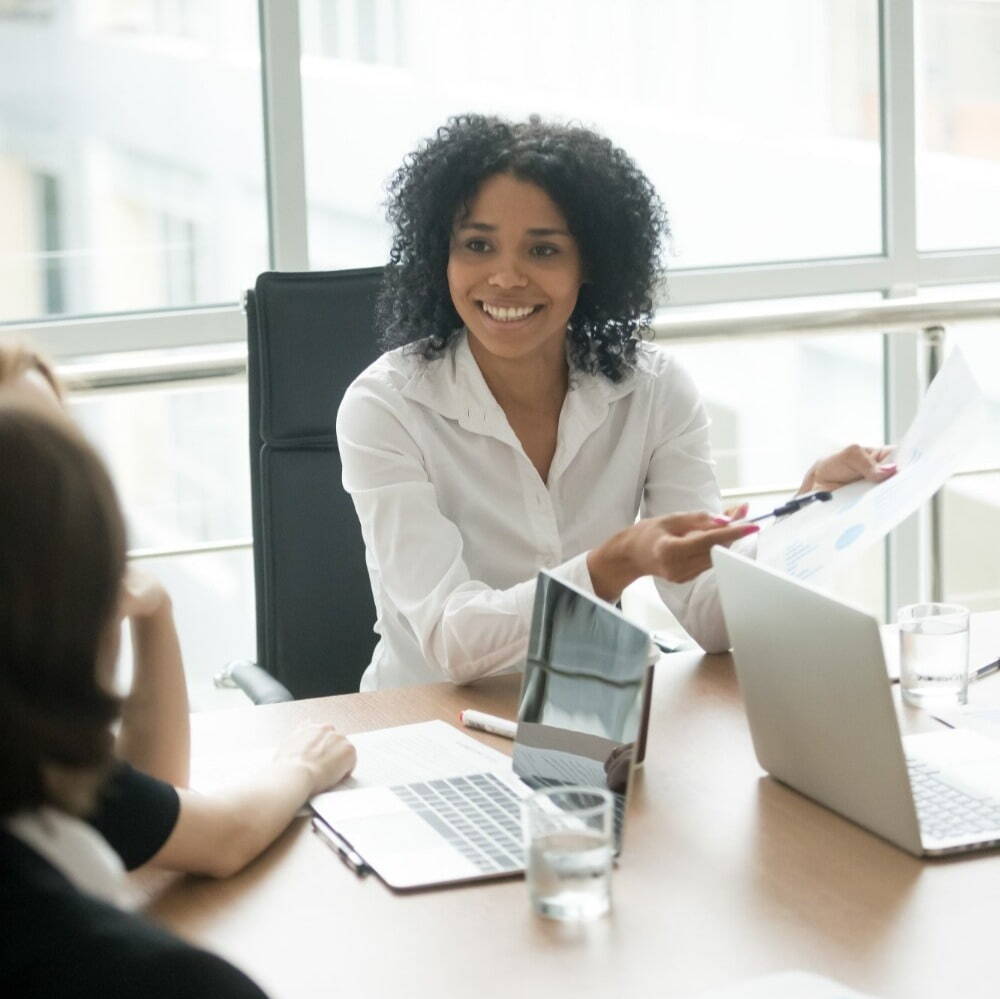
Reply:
x=514, y=272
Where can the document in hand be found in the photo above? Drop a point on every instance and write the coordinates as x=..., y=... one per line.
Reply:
x=826, y=535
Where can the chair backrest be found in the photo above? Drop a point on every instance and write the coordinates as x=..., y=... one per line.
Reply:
x=308, y=335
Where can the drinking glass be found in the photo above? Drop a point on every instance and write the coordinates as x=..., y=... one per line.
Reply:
x=934, y=654
x=569, y=846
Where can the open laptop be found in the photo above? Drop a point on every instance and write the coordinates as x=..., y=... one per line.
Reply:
x=581, y=720
x=821, y=714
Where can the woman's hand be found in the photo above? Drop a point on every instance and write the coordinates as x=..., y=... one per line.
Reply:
x=676, y=548
x=142, y=595
x=325, y=753
x=849, y=465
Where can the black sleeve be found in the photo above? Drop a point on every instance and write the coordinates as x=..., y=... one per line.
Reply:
x=136, y=814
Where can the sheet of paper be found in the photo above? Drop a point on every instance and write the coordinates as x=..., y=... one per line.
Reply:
x=822, y=536
x=985, y=721
x=785, y=985
x=424, y=751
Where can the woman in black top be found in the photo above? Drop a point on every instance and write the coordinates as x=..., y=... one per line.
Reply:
x=63, y=931
x=145, y=811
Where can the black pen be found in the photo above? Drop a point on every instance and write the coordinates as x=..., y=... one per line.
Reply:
x=340, y=847
x=986, y=670
x=793, y=504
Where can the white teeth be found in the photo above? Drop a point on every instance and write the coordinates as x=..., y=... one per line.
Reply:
x=505, y=315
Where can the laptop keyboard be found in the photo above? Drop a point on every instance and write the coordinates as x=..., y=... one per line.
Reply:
x=619, y=799
x=945, y=812
x=478, y=815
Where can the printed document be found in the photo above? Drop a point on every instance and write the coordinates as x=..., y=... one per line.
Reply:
x=822, y=536
x=423, y=751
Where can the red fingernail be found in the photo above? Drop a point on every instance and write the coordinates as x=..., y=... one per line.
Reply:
x=750, y=529
x=721, y=521
x=891, y=467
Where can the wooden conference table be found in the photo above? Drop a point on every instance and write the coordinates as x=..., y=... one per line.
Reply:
x=725, y=875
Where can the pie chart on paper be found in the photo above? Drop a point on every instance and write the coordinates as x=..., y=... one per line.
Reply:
x=848, y=537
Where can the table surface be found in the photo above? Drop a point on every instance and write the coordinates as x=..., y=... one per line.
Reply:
x=725, y=875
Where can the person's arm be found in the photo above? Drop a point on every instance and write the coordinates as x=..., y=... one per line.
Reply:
x=220, y=833
x=155, y=734
x=675, y=548
x=681, y=476
x=466, y=629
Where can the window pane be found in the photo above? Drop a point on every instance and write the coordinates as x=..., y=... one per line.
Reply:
x=179, y=458
x=758, y=122
x=779, y=403
x=971, y=541
x=958, y=121
x=979, y=341
x=130, y=155
x=213, y=598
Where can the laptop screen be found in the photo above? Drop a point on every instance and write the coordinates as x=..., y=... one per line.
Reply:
x=582, y=701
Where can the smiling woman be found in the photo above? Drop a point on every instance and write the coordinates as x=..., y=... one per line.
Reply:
x=518, y=420
x=514, y=274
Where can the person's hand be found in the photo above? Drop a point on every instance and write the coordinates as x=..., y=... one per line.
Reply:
x=325, y=753
x=677, y=547
x=616, y=766
x=142, y=595
x=737, y=512
x=849, y=465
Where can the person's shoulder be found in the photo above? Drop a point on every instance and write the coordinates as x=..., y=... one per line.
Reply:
x=389, y=372
x=658, y=371
x=67, y=943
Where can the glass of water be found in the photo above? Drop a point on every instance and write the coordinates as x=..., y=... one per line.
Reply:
x=934, y=654
x=569, y=846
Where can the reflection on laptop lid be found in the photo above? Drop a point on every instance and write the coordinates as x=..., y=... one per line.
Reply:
x=582, y=706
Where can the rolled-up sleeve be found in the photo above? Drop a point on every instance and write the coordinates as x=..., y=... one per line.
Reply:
x=465, y=628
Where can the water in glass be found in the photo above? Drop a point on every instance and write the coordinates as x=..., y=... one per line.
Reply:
x=569, y=874
x=934, y=661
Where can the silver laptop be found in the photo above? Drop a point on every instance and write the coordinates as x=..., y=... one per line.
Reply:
x=582, y=715
x=821, y=714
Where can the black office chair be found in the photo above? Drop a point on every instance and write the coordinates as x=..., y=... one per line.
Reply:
x=308, y=336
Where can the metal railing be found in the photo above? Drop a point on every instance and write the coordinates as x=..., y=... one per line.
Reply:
x=186, y=363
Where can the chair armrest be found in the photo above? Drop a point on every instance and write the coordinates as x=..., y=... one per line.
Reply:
x=257, y=683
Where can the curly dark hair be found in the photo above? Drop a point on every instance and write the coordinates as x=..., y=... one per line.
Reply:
x=611, y=208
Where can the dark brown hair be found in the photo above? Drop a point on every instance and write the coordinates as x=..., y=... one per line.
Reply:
x=63, y=556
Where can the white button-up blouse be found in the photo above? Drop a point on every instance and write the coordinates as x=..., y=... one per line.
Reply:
x=457, y=521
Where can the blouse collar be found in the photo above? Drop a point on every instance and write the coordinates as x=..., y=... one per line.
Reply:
x=453, y=386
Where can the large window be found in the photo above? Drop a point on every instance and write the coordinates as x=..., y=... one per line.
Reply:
x=958, y=124
x=131, y=156
x=745, y=139
x=803, y=147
